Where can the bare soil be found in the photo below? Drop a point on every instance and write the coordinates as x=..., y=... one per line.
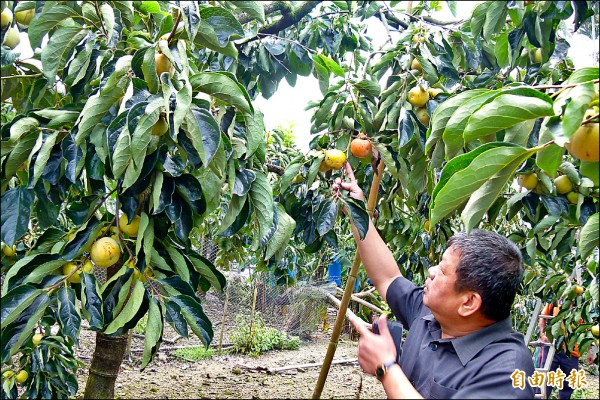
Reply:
x=236, y=376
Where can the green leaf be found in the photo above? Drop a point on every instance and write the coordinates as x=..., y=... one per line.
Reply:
x=224, y=88
x=358, y=215
x=464, y=182
x=140, y=139
x=174, y=317
x=284, y=232
x=181, y=266
x=494, y=18
x=42, y=271
x=387, y=157
x=368, y=88
x=208, y=271
x=290, y=173
x=255, y=9
x=235, y=206
x=442, y=114
x=206, y=37
x=221, y=23
x=98, y=105
x=122, y=154
x=34, y=313
x=483, y=198
x=59, y=47
x=505, y=111
x=204, y=132
x=550, y=157
x=24, y=149
x=150, y=7
x=325, y=219
x=195, y=317
x=108, y=18
x=154, y=331
x=583, y=75
x=21, y=127
x=331, y=65
x=261, y=197
x=91, y=301
x=183, y=103
x=149, y=70
x=455, y=127
x=68, y=315
x=580, y=98
x=502, y=51
x=15, y=302
x=43, y=156
x=588, y=238
x=132, y=305
x=50, y=17
x=255, y=132
x=16, y=209
x=590, y=170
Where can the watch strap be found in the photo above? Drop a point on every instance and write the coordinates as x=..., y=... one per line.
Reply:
x=381, y=370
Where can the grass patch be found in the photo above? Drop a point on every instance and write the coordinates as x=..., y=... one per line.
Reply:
x=260, y=338
x=196, y=353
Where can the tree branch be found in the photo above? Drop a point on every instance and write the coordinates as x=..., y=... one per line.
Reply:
x=290, y=19
x=270, y=8
x=275, y=168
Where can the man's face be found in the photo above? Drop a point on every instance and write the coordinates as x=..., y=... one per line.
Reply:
x=439, y=294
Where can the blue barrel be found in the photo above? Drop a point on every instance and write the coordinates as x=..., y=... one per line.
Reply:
x=335, y=273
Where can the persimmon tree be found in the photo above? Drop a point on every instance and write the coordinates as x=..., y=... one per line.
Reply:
x=145, y=109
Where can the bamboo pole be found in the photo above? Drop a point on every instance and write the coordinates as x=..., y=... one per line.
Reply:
x=352, y=275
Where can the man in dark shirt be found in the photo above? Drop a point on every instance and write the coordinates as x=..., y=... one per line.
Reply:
x=460, y=342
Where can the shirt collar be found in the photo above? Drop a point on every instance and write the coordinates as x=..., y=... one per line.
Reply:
x=468, y=346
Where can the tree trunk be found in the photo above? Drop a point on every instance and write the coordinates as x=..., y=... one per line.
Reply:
x=106, y=362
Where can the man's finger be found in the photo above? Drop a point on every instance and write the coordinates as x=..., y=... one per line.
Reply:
x=349, y=171
x=382, y=325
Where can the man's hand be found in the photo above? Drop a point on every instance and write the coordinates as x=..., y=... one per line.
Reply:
x=351, y=186
x=373, y=349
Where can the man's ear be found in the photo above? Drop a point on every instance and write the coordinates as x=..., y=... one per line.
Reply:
x=471, y=303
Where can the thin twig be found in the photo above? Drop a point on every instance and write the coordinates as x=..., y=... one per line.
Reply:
x=100, y=18
x=21, y=76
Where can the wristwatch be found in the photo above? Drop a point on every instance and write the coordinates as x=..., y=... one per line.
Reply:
x=381, y=370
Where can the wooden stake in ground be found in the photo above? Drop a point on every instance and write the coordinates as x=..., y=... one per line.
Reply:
x=352, y=276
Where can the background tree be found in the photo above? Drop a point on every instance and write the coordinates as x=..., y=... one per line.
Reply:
x=141, y=113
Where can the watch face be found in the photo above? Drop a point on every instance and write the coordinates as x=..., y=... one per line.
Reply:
x=380, y=371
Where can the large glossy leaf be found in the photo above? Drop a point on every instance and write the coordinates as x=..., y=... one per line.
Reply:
x=483, y=198
x=208, y=271
x=91, y=301
x=43, y=156
x=98, y=105
x=50, y=17
x=15, y=302
x=588, y=238
x=255, y=132
x=285, y=230
x=195, y=317
x=24, y=148
x=60, y=45
x=579, y=99
x=68, y=314
x=550, y=157
x=179, y=262
x=222, y=23
x=326, y=216
x=243, y=182
x=154, y=331
x=132, y=305
x=358, y=215
x=224, y=88
x=27, y=321
x=234, y=212
x=16, y=209
x=503, y=112
x=456, y=123
x=254, y=9
x=290, y=173
x=175, y=318
x=261, y=197
x=464, y=182
x=204, y=132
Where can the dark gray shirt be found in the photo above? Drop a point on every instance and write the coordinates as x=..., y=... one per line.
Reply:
x=478, y=365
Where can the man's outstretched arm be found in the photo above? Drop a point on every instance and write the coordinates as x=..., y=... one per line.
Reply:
x=377, y=258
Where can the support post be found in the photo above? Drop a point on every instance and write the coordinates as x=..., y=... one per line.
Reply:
x=352, y=275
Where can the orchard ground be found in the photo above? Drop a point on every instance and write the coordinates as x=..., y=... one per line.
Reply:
x=226, y=375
